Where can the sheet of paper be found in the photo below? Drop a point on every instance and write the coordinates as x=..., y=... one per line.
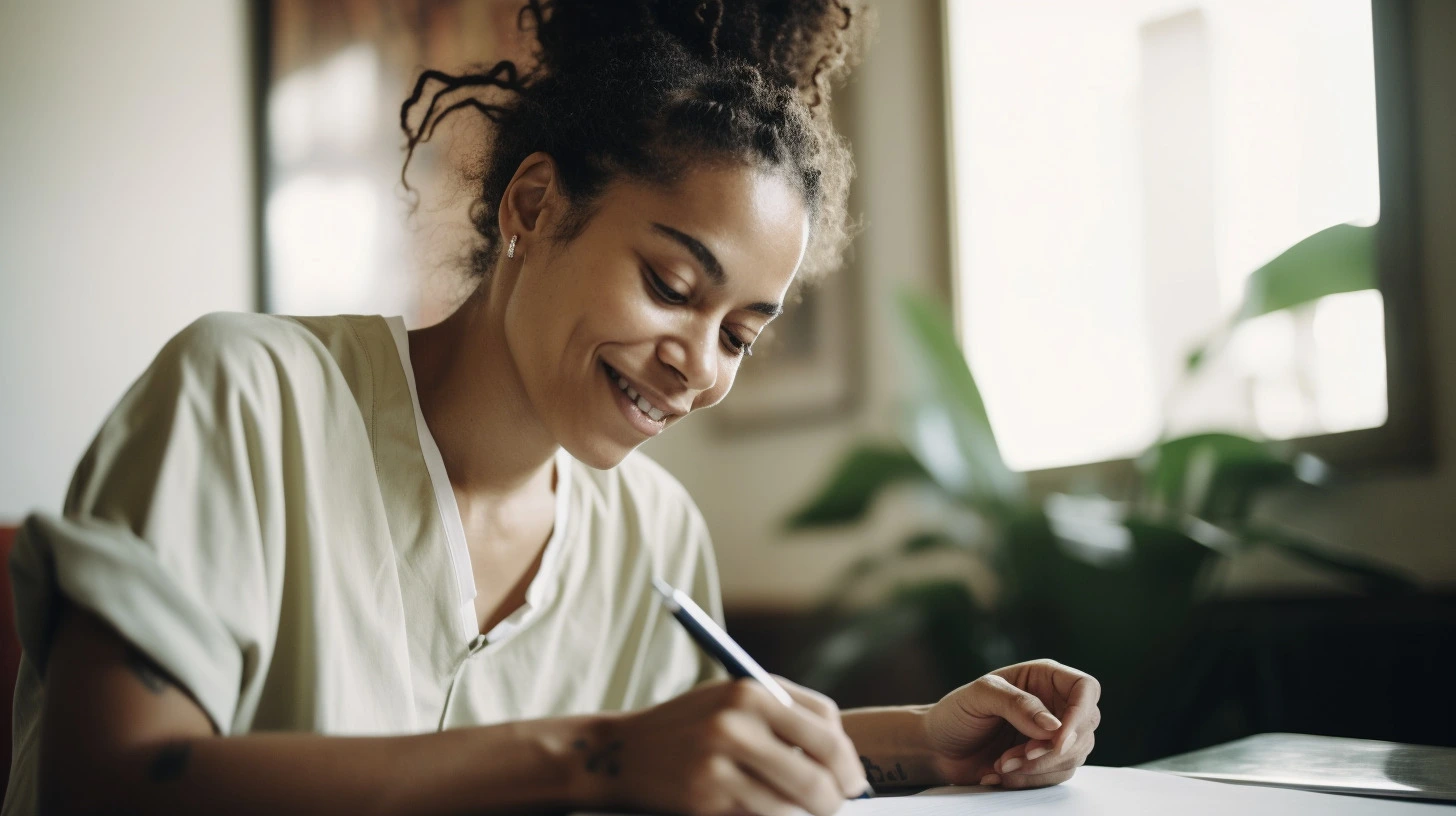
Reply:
x=1097, y=791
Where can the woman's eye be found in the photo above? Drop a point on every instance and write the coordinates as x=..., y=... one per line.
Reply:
x=667, y=293
x=738, y=346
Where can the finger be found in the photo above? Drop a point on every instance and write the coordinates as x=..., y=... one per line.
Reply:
x=820, y=735
x=1024, y=710
x=1080, y=720
x=1054, y=761
x=1017, y=755
x=794, y=775
x=1046, y=780
x=753, y=796
x=818, y=704
x=1081, y=714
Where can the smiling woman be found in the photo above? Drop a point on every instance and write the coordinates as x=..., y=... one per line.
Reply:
x=440, y=542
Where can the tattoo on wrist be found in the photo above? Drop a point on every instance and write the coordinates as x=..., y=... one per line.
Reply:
x=170, y=762
x=146, y=671
x=604, y=759
x=883, y=776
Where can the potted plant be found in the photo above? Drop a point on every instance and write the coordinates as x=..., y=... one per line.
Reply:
x=1103, y=582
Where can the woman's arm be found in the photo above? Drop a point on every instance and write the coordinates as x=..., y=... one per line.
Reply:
x=119, y=736
x=1025, y=726
x=891, y=746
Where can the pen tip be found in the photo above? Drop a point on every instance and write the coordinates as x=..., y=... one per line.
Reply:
x=663, y=587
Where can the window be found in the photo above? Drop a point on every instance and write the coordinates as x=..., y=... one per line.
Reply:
x=1121, y=167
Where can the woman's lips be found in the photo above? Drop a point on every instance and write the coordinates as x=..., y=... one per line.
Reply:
x=635, y=416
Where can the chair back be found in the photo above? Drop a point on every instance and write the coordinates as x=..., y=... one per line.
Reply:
x=9, y=654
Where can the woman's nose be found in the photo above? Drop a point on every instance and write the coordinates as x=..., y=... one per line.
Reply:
x=693, y=356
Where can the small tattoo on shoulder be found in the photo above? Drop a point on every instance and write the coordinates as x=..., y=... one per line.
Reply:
x=170, y=762
x=146, y=671
x=605, y=759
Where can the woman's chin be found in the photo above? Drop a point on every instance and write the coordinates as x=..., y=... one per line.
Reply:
x=600, y=452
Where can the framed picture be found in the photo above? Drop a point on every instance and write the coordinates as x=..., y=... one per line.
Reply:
x=339, y=231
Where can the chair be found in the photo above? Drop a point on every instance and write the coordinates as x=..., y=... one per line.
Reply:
x=9, y=653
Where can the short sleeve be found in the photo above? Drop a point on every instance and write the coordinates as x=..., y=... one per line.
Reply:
x=166, y=523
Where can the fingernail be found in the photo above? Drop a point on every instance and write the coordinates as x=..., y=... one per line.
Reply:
x=1010, y=765
x=1070, y=741
x=991, y=779
x=1047, y=720
x=1037, y=753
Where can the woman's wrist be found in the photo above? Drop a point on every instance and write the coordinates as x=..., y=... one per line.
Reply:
x=587, y=752
x=893, y=745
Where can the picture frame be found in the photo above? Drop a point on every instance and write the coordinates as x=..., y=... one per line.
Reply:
x=338, y=231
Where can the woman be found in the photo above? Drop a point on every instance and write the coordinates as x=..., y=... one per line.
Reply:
x=322, y=565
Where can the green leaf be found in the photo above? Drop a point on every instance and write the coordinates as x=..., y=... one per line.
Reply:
x=1334, y=260
x=1215, y=476
x=948, y=429
x=1196, y=357
x=858, y=479
x=1375, y=578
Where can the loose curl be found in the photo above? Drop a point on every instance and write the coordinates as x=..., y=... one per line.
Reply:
x=647, y=89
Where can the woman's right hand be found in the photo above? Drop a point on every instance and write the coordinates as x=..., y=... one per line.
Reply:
x=730, y=748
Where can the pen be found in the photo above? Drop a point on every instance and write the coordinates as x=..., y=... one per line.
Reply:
x=713, y=640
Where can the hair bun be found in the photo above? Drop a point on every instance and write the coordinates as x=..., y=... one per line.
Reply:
x=802, y=44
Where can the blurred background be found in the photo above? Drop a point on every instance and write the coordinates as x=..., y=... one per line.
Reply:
x=1138, y=362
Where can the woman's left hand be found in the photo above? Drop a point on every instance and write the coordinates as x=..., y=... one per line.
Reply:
x=1025, y=726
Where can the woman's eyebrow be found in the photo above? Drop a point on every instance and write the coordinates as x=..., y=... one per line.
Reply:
x=711, y=267
x=704, y=255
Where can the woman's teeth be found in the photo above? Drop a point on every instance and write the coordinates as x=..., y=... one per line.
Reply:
x=646, y=407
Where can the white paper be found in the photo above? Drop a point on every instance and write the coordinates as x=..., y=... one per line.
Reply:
x=1098, y=791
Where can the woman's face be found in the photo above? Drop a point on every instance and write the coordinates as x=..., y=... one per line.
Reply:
x=645, y=315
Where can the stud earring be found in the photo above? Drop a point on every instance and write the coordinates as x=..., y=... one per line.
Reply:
x=511, y=250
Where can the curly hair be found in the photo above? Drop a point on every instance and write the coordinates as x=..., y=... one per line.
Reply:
x=646, y=89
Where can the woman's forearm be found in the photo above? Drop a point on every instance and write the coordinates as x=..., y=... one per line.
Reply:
x=892, y=746
x=120, y=736
x=508, y=768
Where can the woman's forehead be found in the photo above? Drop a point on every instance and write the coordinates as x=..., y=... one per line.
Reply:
x=749, y=218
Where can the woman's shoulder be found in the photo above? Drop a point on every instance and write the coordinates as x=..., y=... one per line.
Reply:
x=236, y=343
x=230, y=334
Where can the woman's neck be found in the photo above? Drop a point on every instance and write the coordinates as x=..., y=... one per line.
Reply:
x=476, y=407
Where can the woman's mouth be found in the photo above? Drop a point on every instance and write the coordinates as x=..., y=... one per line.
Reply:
x=647, y=418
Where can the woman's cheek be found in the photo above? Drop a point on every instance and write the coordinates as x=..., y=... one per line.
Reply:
x=720, y=389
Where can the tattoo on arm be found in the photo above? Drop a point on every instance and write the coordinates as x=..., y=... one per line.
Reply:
x=170, y=762
x=883, y=776
x=603, y=760
x=146, y=671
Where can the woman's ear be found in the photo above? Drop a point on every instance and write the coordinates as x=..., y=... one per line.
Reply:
x=526, y=207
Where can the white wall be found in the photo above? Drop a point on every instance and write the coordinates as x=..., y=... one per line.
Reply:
x=125, y=210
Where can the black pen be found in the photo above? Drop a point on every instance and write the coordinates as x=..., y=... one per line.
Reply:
x=712, y=639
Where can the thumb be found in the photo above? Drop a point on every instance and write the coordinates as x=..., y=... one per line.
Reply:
x=1024, y=710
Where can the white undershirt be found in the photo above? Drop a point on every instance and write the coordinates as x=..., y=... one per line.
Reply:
x=543, y=584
